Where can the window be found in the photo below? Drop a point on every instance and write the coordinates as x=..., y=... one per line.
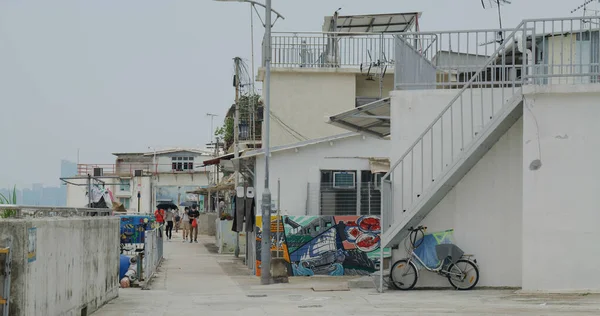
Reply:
x=124, y=185
x=125, y=202
x=338, y=193
x=182, y=163
x=370, y=193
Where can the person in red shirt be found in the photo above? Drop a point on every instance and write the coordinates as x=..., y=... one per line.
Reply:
x=160, y=219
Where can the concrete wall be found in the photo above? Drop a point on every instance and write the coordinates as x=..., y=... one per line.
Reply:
x=485, y=207
x=560, y=199
x=206, y=224
x=302, y=99
x=296, y=169
x=226, y=239
x=76, y=266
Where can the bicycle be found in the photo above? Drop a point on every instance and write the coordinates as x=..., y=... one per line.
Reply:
x=449, y=266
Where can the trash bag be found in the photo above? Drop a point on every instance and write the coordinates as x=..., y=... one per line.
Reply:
x=426, y=251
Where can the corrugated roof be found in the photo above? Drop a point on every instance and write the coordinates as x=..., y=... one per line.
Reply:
x=372, y=119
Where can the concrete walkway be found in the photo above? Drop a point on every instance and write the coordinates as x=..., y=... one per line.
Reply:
x=195, y=281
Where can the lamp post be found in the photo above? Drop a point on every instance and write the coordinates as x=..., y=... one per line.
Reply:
x=265, y=253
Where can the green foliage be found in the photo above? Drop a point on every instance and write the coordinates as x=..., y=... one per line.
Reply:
x=11, y=199
x=225, y=132
x=248, y=104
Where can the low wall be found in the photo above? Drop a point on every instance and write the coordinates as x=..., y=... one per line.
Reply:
x=62, y=266
x=225, y=238
x=206, y=224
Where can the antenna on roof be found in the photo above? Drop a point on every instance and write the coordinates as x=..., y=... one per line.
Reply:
x=585, y=9
x=486, y=4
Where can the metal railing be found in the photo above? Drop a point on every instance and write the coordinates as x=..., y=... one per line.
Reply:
x=536, y=52
x=153, y=252
x=325, y=199
x=129, y=169
x=316, y=49
x=446, y=59
x=25, y=211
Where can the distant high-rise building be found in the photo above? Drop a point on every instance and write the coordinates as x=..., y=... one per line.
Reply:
x=67, y=169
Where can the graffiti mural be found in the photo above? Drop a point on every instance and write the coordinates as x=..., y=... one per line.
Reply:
x=327, y=245
x=133, y=228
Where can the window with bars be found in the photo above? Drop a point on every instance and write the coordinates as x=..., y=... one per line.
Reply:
x=182, y=163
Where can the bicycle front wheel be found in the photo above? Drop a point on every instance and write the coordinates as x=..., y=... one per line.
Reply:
x=463, y=275
x=404, y=275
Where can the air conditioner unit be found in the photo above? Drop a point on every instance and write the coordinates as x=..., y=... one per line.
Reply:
x=138, y=173
x=98, y=172
x=344, y=180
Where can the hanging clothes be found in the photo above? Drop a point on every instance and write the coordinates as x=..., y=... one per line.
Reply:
x=238, y=216
x=249, y=214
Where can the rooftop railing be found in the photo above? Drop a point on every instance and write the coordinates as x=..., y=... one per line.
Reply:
x=315, y=49
x=565, y=49
x=129, y=169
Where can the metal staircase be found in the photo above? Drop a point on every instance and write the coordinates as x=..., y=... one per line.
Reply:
x=475, y=119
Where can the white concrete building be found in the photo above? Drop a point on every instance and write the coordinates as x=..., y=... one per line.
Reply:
x=315, y=75
x=140, y=180
x=507, y=160
x=328, y=176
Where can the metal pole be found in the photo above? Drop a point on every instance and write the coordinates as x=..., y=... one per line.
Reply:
x=236, y=141
x=278, y=214
x=265, y=250
x=252, y=45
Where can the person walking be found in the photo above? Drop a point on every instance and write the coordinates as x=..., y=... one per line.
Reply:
x=169, y=218
x=159, y=214
x=186, y=223
x=194, y=214
x=177, y=221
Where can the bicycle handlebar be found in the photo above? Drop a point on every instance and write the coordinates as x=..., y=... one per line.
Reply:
x=411, y=229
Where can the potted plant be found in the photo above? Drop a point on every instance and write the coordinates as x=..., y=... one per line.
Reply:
x=226, y=217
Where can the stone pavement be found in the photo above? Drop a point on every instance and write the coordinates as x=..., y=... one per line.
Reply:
x=194, y=280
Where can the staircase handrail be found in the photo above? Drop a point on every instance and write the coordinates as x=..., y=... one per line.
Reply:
x=468, y=85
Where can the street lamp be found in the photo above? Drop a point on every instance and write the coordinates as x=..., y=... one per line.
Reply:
x=265, y=250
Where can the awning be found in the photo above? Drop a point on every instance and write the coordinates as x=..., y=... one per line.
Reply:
x=217, y=160
x=372, y=119
x=379, y=165
x=227, y=183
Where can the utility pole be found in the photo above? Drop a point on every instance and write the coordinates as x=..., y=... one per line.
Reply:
x=211, y=135
x=265, y=249
x=236, y=141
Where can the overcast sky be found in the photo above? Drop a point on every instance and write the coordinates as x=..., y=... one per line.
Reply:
x=112, y=76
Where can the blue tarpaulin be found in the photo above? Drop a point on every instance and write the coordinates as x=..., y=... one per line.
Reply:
x=426, y=251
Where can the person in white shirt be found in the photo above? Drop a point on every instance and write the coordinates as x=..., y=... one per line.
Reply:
x=185, y=220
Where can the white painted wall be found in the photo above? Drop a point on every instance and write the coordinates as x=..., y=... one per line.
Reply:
x=485, y=207
x=560, y=200
x=297, y=169
x=302, y=99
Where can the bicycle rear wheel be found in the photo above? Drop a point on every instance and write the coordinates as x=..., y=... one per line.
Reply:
x=404, y=275
x=463, y=275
